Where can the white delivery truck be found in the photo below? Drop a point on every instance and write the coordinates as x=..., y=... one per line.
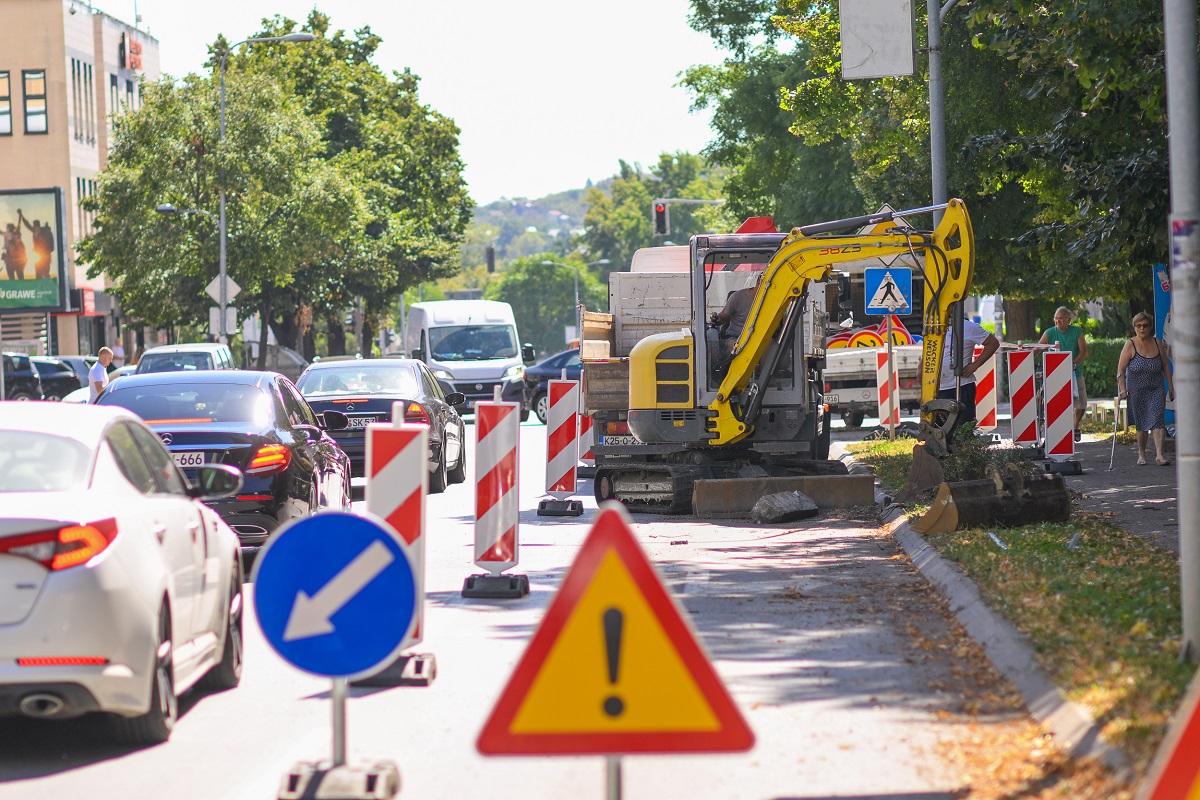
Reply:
x=473, y=344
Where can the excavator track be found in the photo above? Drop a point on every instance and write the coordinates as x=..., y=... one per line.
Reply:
x=648, y=488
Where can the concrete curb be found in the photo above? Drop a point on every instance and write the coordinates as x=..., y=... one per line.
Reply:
x=1074, y=729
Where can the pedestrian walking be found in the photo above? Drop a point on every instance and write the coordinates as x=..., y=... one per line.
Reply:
x=98, y=374
x=1140, y=372
x=1070, y=338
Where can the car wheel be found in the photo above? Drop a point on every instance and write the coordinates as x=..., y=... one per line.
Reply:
x=459, y=473
x=22, y=396
x=227, y=674
x=437, y=480
x=154, y=727
x=541, y=406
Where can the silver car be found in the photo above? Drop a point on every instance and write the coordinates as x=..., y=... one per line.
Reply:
x=119, y=588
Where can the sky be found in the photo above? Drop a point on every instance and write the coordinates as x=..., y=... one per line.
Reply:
x=547, y=95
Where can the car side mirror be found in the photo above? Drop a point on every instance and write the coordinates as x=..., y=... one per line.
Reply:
x=844, y=294
x=333, y=420
x=528, y=354
x=214, y=481
x=418, y=354
x=456, y=399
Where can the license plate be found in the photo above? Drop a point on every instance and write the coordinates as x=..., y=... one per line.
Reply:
x=831, y=398
x=612, y=439
x=189, y=459
x=357, y=423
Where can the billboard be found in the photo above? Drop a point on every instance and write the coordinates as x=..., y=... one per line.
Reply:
x=33, y=274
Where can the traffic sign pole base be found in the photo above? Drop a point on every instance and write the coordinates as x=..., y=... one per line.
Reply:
x=585, y=472
x=496, y=586
x=322, y=781
x=410, y=669
x=1064, y=467
x=560, y=508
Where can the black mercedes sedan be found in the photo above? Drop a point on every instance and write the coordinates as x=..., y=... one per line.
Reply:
x=255, y=421
x=365, y=391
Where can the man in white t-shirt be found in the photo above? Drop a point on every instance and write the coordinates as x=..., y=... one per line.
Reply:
x=98, y=374
x=973, y=334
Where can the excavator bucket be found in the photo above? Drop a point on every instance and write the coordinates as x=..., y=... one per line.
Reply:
x=926, y=473
x=1009, y=500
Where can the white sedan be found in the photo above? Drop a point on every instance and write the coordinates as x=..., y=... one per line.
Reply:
x=119, y=588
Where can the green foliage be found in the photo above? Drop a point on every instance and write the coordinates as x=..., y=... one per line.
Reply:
x=1099, y=369
x=340, y=185
x=543, y=297
x=973, y=455
x=1055, y=132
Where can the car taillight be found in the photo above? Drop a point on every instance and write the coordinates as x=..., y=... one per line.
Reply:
x=415, y=413
x=269, y=459
x=828, y=387
x=65, y=547
x=617, y=428
x=63, y=661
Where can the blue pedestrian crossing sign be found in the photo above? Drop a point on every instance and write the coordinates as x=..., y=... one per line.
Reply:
x=335, y=594
x=888, y=290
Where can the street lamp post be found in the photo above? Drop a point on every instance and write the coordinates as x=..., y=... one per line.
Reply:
x=290, y=37
x=578, y=315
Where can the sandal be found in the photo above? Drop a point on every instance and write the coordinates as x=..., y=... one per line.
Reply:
x=1078, y=436
x=1141, y=461
x=1163, y=462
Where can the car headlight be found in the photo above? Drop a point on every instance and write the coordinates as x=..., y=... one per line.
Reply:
x=443, y=374
x=514, y=373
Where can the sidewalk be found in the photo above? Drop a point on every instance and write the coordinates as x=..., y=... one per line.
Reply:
x=1143, y=501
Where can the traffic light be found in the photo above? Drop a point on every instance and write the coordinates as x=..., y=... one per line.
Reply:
x=491, y=258
x=662, y=222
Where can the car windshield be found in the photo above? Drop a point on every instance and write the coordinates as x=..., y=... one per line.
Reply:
x=173, y=362
x=472, y=342
x=193, y=402
x=41, y=462
x=361, y=379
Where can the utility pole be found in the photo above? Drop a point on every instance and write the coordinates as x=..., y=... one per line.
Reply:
x=1183, y=120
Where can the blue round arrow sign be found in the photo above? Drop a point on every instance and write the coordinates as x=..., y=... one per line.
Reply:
x=335, y=594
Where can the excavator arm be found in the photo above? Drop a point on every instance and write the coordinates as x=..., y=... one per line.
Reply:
x=806, y=256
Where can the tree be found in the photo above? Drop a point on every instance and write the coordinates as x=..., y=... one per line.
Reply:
x=543, y=297
x=403, y=155
x=286, y=206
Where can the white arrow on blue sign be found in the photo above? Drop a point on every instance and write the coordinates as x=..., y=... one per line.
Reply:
x=335, y=594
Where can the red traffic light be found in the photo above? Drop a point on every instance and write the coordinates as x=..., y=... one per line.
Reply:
x=660, y=208
x=662, y=223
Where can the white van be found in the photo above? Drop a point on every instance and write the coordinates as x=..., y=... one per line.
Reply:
x=471, y=343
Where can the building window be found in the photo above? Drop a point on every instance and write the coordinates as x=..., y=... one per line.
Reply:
x=114, y=95
x=129, y=95
x=35, y=100
x=5, y=106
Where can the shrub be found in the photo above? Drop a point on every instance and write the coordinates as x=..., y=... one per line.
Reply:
x=1100, y=368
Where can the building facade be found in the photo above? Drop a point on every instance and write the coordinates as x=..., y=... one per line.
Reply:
x=66, y=69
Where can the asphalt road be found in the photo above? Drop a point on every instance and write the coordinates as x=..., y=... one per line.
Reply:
x=847, y=667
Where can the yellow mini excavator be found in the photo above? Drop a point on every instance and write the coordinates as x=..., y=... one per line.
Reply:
x=701, y=409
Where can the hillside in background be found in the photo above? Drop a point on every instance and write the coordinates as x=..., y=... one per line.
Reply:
x=522, y=226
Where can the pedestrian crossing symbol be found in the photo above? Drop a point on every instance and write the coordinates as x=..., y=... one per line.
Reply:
x=889, y=290
x=614, y=666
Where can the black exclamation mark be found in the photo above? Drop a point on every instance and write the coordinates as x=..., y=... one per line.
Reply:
x=614, y=621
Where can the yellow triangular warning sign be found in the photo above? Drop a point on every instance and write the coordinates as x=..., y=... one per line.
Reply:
x=614, y=667
x=1175, y=773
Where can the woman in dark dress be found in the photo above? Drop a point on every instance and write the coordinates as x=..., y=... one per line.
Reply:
x=1140, y=373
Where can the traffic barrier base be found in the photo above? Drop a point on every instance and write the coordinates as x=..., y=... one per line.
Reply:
x=410, y=669
x=560, y=508
x=379, y=781
x=1064, y=467
x=496, y=586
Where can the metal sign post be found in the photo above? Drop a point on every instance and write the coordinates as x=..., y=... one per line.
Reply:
x=891, y=380
x=319, y=585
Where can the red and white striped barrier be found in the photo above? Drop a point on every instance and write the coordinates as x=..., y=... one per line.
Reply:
x=889, y=390
x=397, y=484
x=1024, y=397
x=498, y=428
x=1059, y=404
x=985, y=393
x=562, y=442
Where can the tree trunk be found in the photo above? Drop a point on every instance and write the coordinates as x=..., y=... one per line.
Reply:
x=368, y=336
x=309, y=341
x=1019, y=321
x=335, y=335
x=265, y=333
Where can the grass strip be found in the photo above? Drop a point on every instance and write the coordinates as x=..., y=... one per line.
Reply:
x=1100, y=606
